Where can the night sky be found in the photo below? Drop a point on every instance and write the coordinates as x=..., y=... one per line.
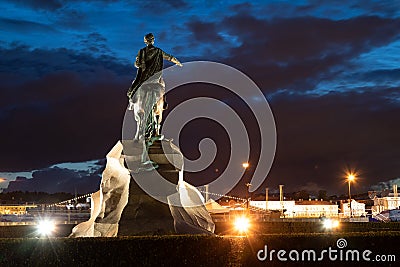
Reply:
x=330, y=71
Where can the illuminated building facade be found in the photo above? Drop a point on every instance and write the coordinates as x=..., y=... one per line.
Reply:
x=300, y=209
x=15, y=209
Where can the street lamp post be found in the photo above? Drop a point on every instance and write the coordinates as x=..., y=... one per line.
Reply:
x=350, y=178
x=247, y=195
x=245, y=166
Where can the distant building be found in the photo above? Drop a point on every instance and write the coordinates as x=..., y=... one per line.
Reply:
x=356, y=209
x=213, y=207
x=273, y=205
x=15, y=209
x=315, y=208
x=385, y=203
x=388, y=202
x=300, y=209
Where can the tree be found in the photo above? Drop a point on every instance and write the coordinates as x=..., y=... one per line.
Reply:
x=322, y=195
x=303, y=194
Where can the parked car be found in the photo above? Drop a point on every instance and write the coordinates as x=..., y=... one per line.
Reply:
x=82, y=206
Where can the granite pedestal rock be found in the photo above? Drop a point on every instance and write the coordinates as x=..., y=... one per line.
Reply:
x=109, y=202
x=122, y=207
x=143, y=214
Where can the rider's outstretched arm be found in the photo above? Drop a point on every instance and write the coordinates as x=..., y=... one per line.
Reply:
x=172, y=59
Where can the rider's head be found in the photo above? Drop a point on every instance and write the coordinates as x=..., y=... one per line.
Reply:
x=149, y=39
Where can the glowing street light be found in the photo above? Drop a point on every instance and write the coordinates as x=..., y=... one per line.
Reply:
x=245, y=165
x=330, y=223
x=242, y=224
x=45, y=227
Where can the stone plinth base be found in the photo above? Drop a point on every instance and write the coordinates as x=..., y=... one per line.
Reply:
x=143, y=214
x=145, y=196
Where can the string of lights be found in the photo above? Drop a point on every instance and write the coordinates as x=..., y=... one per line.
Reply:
x=70, y=200
x=221, y=195
x=201, y=191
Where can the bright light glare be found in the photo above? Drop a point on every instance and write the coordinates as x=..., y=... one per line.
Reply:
x=242, y=224
x=330, y=224
x=45, y=227
x=245, y=165
x=351, y=177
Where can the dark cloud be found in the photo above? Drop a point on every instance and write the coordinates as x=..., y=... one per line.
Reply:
x=39, y=4
x=163, y=5
x=53, y=5
x=386, y=184
x=389, y=8
x=242, y=8
x=318, y=138
x=59, y=105
x=73, y=18
x=94, y=1
x=311, y=188
x=204, y=31
x=53, y=180
x=95, y=43
x=292, y=53
x=380, y=8
x=381, y=76
x=325, y=9
x=66, y=110
x=26, y=64
x=176, y=3
x=25, y=26
x=296, y=52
